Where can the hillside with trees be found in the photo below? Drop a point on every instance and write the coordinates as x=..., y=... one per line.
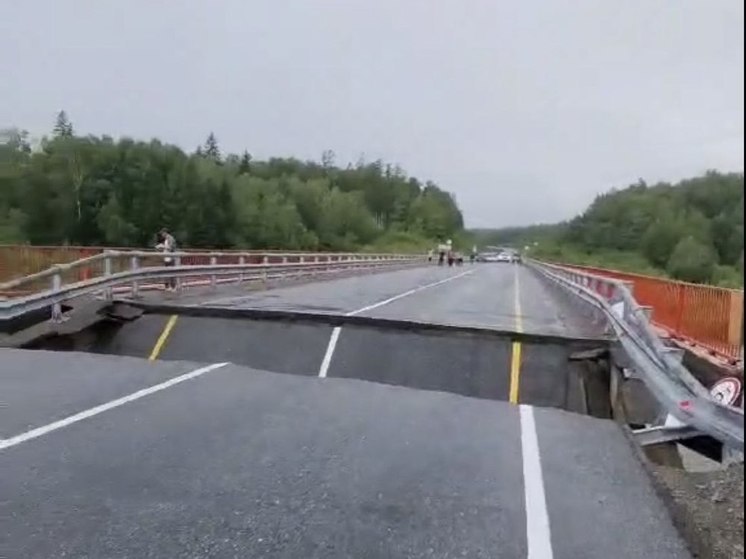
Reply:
x=692, y=231
x=88, y=190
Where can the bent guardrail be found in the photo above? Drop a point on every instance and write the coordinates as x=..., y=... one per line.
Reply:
x=703, y=316
x=130, y=270
x=660, y=367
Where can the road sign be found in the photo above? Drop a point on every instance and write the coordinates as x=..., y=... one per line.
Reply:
x=726, y=391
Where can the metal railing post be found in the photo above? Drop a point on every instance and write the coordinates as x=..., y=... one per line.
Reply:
x=177, y=264
x=56, y=286
x=242, y=262
x=134, y=265
x=265, y=264
x=108, y=292
x=740, y=351
x=213, y=277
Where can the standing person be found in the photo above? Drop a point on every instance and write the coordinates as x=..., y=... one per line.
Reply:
x=442, y=249
x=430, y=255
x=167, y=244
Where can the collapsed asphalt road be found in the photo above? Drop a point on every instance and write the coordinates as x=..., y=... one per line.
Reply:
x=116, y=457
x=466, y=358
x=112, y=456
x=476, y=364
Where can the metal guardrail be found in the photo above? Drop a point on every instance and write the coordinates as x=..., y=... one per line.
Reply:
x=701, y=315
x=22, y=260
x=660, y=367
x=132, y=270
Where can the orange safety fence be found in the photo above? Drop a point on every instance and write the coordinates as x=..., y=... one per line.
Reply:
x=20, y=260
x=708, y=316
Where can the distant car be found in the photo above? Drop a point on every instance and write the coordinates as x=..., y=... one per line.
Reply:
x=504, y=257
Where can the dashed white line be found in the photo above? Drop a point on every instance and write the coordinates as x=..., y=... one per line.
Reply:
x=538, y=532
x=334, y=338
x=331, y=346
x=408, y=293
x=65, y=422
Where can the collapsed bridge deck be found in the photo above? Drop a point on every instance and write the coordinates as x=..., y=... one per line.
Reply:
x=115, y=456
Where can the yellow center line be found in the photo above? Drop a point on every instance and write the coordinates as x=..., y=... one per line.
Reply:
x=515, y=361
x=163, y=338
x=515, y=373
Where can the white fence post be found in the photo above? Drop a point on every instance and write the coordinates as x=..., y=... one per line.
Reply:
x=56, y=286
x=177, y=263
x=108, y=292
x=213, y=277
x=134, y=265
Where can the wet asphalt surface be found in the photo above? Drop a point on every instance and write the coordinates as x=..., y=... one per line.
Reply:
x=481, y=295
x=406, y=450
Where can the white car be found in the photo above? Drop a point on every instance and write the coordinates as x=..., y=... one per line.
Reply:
x=504, y=257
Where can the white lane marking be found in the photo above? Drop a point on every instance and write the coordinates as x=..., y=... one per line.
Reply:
x=329, y=352
x=43, y=430
x=408, y=293
x=334, y=338
x=538, y=532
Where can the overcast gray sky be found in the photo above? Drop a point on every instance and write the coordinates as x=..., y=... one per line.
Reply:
x=524, y=109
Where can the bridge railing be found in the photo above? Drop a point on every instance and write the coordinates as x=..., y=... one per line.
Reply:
x=703, y=315
x=660, y=366
x=17, y=261
x=133, y=271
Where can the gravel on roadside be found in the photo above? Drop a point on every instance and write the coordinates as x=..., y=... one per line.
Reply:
x=707, y=508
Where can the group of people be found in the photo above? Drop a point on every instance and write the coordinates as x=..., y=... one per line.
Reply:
x=447, y=254
x=166, y=243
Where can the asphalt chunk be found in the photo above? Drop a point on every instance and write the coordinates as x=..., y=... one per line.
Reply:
x=294, y=348
x=466, y=364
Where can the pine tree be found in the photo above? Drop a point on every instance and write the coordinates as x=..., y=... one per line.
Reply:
x=245, y=166
x=327, y=159
x=63, y=128
x=211, y=150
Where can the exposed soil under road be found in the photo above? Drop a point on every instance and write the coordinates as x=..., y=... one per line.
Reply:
x=708, y=509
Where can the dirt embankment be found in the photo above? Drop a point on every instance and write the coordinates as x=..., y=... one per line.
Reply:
x=708, y=509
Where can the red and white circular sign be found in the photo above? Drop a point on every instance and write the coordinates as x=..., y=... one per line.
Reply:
x=726, y=391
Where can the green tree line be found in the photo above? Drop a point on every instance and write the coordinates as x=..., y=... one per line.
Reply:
x=691, y=230
x=88, y=190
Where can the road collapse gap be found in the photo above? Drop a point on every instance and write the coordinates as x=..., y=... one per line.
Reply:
x=570, y=374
